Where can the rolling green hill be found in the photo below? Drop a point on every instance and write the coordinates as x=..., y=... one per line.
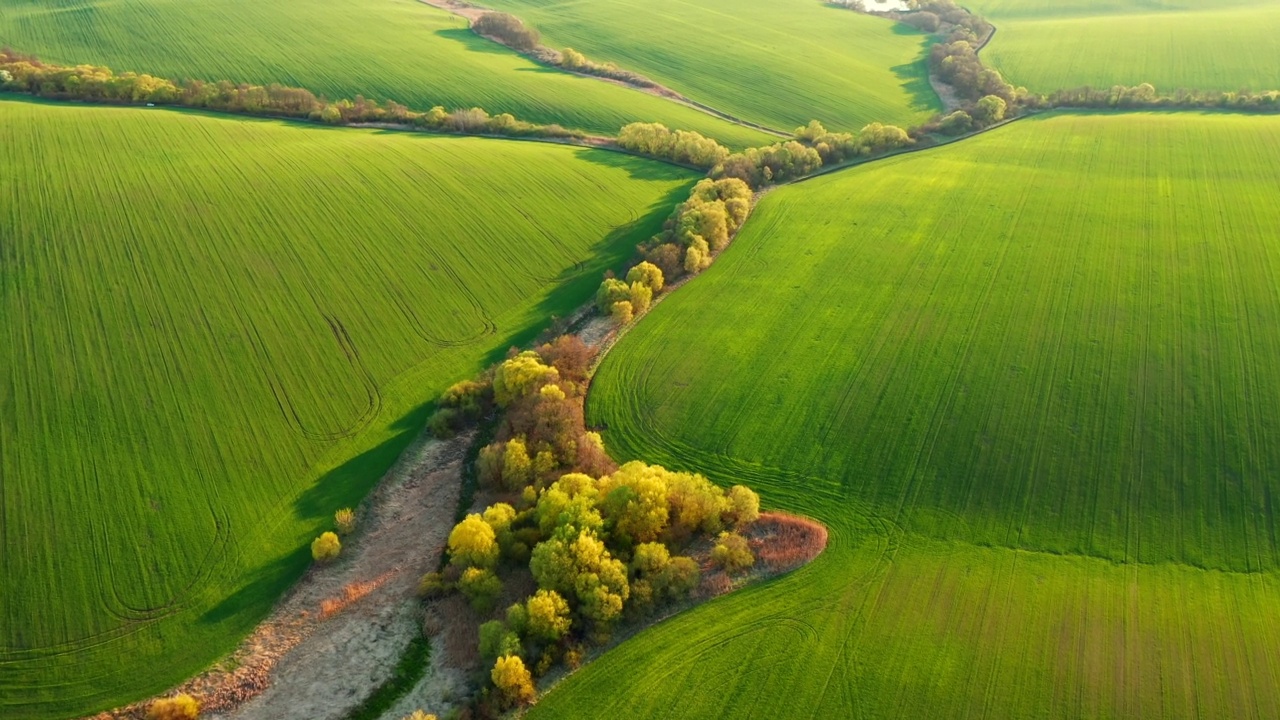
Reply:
x=398, y=49
x=214, y=332
x=780, y=63
x=1029, y=380
x=1192, y=44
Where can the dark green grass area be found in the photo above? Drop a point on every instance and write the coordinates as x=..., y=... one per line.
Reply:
x=1030, y=381
x=215, y=332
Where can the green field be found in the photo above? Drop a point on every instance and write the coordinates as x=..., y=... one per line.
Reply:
x=214, y=332
x=1030, y=382
x=779, y=63
x=1192, y=44
x=398, y=49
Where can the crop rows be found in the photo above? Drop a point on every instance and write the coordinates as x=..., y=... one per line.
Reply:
x=1028, y=380
x=215, y=332
x=398, y=49
x=1198, y=45
x=780, y=63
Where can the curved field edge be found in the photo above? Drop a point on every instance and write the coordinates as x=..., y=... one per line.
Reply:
x=927, y=608
x=778, y=63
x=1195, y=46
x=401, y=50
x=177, y=507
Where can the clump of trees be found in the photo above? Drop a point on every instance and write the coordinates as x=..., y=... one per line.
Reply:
x=571, y=59
x=508, y=30
x=945, y=15
x=601, y=542
x=956, y=63
x=872, y=139
x=27, y=74
x=602, y=548
x=682, y=146
x=699, y=227
x=775, y=163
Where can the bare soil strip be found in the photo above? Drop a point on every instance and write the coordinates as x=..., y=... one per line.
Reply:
x=336, y=636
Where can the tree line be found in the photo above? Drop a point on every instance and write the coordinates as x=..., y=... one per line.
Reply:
x=509, y=30
x=27, y=74
x=603, y=543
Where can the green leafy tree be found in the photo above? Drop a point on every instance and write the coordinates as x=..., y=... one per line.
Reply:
x=473, y=542
x=744, y=506
x=989, y=110
x=581, y=567
x=732, y=553
x=326, y=547
x=641, y=297
x=513, y=681
x=520, y=376
x=517, y=467
x=481, y=587
x=648, y=274
x=547, y=616
x=497, y=640
x=612, y=290
x=622, y=312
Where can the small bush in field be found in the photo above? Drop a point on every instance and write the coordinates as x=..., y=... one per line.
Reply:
x=326, y=547
x=345, y=521
x=432, y=585
x=178, y=707
x=732, y=553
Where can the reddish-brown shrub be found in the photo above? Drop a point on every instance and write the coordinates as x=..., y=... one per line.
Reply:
x=783, y=542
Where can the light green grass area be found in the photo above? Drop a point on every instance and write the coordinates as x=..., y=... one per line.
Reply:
x=214, y=332
x=1048, y=45
x=398, y=49
x=779, y=63
x=1030, y=382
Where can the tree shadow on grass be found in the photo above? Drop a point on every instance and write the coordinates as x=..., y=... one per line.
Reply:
x=254, y=599
x=915, y=80
x=575, y=285
x=474, y=43
x=343, y=486
x=349, y=483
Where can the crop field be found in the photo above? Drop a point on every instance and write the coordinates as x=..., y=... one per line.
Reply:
x=1192, y=44
x=214, y=332
x=398, y=49
x=1029, y=380
x=780, y=63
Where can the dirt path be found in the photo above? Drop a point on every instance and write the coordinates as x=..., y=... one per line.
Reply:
x=360, y=615
x=337, y=635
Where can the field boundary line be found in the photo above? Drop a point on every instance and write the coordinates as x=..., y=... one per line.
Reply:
x=657, y=90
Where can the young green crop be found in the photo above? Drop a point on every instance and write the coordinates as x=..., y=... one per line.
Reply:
x=1201, y=44
x=215, y=332
x=780, y=63
x=1029, y=380
x=398, y=49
